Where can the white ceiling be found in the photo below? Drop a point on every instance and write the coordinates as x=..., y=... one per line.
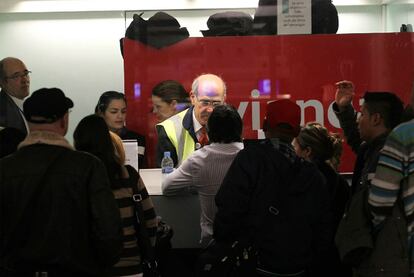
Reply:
x=10, y=6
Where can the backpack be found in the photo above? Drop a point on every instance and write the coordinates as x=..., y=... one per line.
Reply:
x=160, y=30
x=373, y=252
x=292, y=216
x=324, y=17
x=283, y=225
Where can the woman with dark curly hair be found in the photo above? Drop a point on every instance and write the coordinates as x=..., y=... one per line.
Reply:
x=315, y=143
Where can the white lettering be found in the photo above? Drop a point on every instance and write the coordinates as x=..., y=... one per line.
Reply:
x=317, y=105
x=242, y=108
x=255, y=115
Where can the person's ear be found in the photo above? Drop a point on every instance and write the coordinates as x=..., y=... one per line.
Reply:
x=64, y=121
x=307, y=152
x=193, y=98
x=174, y=103
x=98, y=112
x=376, y=119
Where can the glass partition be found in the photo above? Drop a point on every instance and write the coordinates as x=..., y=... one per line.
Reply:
x=368, y=49
x=354, y=16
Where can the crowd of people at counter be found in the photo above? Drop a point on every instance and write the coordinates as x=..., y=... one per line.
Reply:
x=271, y=207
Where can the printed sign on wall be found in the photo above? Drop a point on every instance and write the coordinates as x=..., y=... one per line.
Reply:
x=294, y=17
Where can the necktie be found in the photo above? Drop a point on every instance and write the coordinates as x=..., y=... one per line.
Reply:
x=203, y=139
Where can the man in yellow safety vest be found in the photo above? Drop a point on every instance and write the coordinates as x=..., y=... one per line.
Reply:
x=185, y=132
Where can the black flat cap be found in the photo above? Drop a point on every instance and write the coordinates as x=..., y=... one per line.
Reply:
x=46, y=105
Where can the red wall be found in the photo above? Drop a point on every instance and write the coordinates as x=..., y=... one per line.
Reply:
x=304, y=66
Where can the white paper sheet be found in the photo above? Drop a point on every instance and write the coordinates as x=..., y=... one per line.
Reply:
x=294, y=17
x=131, y=152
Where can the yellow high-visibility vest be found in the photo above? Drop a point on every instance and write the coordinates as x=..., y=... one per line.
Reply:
x=181, y=139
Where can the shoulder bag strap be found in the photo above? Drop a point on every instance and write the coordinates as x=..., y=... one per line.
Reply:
x=140, y=226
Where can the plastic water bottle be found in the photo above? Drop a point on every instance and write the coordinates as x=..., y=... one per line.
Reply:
x=167, y=164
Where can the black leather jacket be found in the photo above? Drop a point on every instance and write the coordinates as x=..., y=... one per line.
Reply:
x=57, y=210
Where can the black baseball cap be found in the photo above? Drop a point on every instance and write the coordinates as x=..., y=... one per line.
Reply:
x=50, y=104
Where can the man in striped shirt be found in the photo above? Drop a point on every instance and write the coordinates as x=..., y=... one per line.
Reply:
x=395, y=174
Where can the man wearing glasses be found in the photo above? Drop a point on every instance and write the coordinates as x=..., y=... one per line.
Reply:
x=185, y=132
x=15, y=85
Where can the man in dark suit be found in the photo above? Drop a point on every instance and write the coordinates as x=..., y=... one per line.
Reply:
x=15, y=85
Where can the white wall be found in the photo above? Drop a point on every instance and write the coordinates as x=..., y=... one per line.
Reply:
x=398, y=14
x=78, y=51
x=360, y=19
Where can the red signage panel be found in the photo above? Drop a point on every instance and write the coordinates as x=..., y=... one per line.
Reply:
x=257, y=69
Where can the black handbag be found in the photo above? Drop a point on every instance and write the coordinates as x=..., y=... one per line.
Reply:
x=149, y=262
x=224, y=259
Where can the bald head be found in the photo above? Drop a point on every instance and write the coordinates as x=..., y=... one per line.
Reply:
x=14, y=77
x=207, y=91
x=208, y=84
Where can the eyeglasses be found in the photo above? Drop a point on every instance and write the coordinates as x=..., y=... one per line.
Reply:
x=206, y=103
x=19, y=75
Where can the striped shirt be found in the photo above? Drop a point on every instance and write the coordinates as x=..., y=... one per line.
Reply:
x=130, y=261
x=395, y=173
x=203, y=171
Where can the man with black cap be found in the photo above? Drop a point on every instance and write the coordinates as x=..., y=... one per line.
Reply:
x=275, y=202
x=57, y=212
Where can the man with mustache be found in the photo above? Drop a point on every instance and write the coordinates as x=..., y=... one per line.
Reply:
x=15, y=85
x=185, y=132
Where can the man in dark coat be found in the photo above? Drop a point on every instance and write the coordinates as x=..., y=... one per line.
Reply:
x=57, y=211
x=275, y=201
x=366, y=134
x=15, y=85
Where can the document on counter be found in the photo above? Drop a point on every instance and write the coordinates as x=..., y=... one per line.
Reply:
x=131, y=152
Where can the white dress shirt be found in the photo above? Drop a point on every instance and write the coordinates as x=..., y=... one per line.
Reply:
x=19, y=104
